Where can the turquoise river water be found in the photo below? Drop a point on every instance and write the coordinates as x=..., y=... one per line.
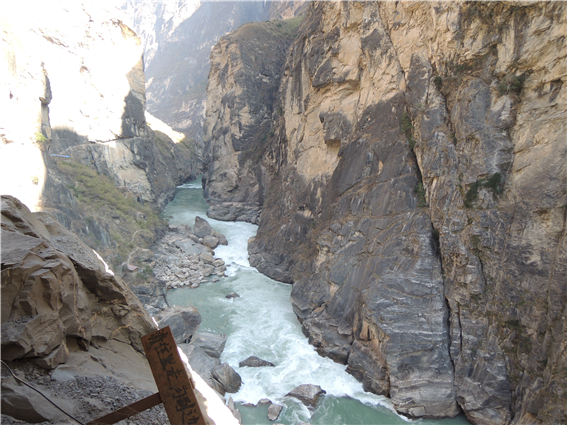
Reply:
x=262, y=323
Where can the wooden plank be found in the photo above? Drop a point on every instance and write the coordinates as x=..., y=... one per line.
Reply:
x=174, y=385
x=128, y=411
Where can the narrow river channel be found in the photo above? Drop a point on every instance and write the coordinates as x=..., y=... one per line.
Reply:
x=261, y=322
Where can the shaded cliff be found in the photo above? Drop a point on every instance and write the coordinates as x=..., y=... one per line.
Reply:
x=416, y=194
x=238, y=128
x=74, y=131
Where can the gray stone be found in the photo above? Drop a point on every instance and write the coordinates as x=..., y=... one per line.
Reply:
x=308, y=394
x=227, y=377
x=232, y=295
x=203, y=230
x=211, y=242
x=183, y=321
x=207, y=258
x=200, y=361
x=212, y=344
x=274, y=411
x=254, y=361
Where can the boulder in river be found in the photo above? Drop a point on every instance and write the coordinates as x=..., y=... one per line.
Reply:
x=308, y=394
x=183, y=322
x=210, y=241
x=254, y=361
x=227, y=377
x=274, y=411
x=212, y=344
x=232, y=295
x=203, y=229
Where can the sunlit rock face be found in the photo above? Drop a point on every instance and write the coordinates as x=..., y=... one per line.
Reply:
x=73, y=108
x=417, y=202
x=177, y=39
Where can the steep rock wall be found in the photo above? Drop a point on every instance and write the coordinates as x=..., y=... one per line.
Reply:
x=246, y=67
x=73, y=107
x=411, y=207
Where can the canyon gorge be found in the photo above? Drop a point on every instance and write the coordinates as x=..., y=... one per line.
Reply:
x=405, y=163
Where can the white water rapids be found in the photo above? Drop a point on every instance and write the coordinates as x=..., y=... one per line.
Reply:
x=261, y=322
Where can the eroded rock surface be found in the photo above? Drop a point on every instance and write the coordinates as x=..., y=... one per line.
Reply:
x=417, y=192
x=246, y=68
x=55, y=289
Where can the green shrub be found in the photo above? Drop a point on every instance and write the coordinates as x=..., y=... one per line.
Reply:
x=98, y=191
x=420, y=192
x=438, y=81
x=39, y=137
x=494, y=183
x=472, y=194
x=406, y=125
x=511, y=84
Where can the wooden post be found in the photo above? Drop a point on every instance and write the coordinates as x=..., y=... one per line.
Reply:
x=127, y=411
x=175, y=388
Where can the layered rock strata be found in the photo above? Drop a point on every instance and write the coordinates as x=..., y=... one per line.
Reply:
x=410, y=206
x=238, y=126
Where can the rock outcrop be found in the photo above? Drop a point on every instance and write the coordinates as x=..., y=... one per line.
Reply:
x=55, y=289
x=73, y=329
x=246, y=68
x=75, y=140
x=416, y=201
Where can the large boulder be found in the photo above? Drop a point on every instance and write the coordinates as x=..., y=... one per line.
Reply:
x=308, y=394
x=200, y=361
x=212, y=344
x=203, y=229
x=227, y=377
x=254, y=361
x=274, y=411
x=183, y=321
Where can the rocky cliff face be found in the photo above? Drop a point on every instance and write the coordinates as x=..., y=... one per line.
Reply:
x=74, y=132
x=178, y=39
x=416, y=200
x=238, y=127
x=56, y=291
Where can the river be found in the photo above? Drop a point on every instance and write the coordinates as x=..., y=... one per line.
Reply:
x=261, y=322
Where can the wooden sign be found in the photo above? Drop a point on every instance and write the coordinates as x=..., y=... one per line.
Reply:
x=175, y=388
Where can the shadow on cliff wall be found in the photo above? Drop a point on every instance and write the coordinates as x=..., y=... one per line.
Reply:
x=133, y=118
